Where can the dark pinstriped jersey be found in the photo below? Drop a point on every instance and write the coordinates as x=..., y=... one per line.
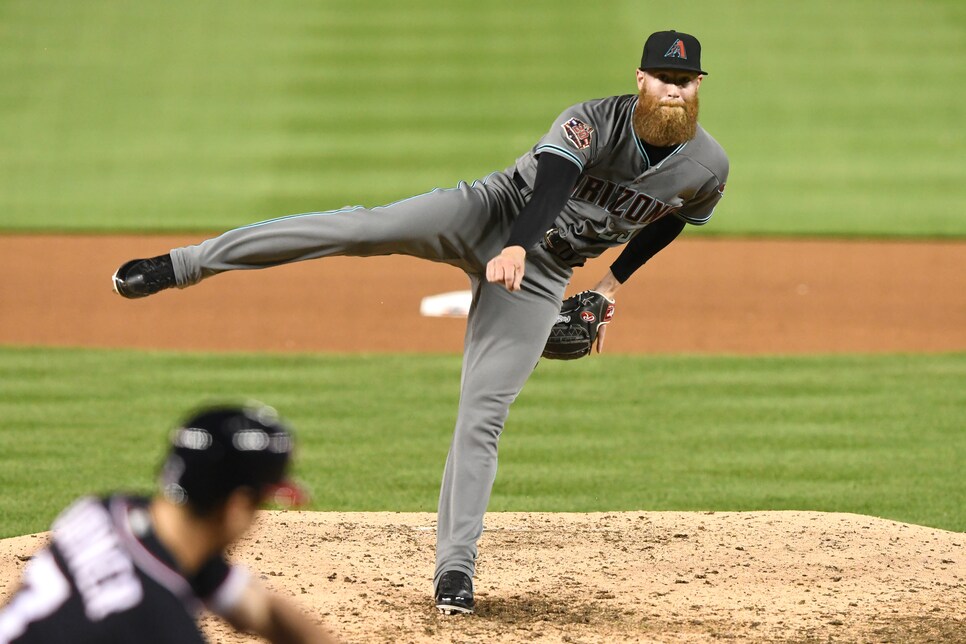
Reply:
x=106, y=578
x=619, y=190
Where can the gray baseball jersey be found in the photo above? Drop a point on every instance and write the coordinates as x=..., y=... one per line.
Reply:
x=618, y=193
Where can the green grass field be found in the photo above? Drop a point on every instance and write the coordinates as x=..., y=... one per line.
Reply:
x=873, y=435
x=840, y=118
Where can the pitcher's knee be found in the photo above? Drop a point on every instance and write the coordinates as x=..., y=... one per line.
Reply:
x=478, y=437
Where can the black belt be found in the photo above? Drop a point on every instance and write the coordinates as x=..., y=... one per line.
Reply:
x=519, y=182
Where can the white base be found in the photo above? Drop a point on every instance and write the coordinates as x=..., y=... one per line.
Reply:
x=455, y=304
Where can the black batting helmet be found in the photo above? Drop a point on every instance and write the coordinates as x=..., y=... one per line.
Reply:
x=221, y=448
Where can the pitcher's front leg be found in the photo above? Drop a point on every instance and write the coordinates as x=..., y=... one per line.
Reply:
x=505, y=336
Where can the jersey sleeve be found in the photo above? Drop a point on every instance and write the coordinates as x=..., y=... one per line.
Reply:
x=574, y=136
x=646, y=244
x=699, y=208
x=555, y=180
x=219, y=584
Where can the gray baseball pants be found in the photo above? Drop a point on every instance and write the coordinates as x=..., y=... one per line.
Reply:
x=464, y=226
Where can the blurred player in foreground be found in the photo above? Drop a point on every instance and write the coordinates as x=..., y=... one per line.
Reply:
x=132, y=569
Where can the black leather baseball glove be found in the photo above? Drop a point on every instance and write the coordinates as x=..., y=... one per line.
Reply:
x=578, y=325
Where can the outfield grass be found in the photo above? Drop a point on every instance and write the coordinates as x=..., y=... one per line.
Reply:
x=841, y=118
x=875, y=435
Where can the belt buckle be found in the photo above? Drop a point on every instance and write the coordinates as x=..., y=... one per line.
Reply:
x=548, y=238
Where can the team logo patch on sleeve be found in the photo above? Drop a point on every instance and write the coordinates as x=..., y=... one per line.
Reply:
x=578, y=133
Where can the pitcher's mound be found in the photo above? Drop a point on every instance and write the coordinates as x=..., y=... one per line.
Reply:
x=611, y=577
x=628, y=576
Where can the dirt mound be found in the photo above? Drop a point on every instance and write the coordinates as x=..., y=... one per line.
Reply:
x=628, y=576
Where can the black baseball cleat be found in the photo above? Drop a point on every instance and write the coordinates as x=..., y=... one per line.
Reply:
x=143, y=277
x=454, y=595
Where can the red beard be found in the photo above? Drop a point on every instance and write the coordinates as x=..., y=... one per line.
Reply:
x=663, y=126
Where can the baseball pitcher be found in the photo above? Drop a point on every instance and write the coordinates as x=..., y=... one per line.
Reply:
x=627, y=170
x=128, y=569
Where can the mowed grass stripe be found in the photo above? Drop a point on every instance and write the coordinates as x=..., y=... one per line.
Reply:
x=182, y=116
x=877, y=435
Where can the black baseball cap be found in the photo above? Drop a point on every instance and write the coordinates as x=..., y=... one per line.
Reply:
x=672, y=50
x=220, y=448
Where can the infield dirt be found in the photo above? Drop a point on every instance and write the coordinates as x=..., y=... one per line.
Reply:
x=699, y=295
x=613, y=577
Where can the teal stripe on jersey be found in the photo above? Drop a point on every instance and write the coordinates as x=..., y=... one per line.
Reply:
x=693, y=220
x=640, y=148
x=637, y=140
x=304, y=214
x=561, y=152
x=647, y=159
x=458, y=186
x=673, y=152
